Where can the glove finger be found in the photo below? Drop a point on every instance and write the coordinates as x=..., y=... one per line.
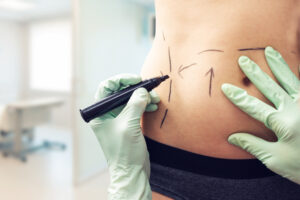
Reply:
x=249, y=104
x=282, y=72
x=151, y=107
x=154, y=97
x=258, y=147
x=136, y=105
x=115, y=83
x=264, y=83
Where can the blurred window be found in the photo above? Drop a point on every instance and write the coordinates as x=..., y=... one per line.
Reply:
x=50, y=55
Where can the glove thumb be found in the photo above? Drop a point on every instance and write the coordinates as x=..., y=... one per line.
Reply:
x=137, y=104
x=252, y=144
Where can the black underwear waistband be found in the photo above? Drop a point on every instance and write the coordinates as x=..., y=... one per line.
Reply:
x=216, y=167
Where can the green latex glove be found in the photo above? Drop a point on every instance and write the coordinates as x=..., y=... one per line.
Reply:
x=283, y=156
x=120, y=136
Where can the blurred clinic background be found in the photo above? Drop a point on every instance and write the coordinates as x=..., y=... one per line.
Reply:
x=53, y=54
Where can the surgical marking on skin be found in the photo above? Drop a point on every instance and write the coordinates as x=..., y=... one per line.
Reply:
x=252, y=49
x=170, y=90
x=170, y=60
x=180, y=71
x=163, y=120
x=213, y=50
x=212, y=74
x=181, y=68
x=163, y=36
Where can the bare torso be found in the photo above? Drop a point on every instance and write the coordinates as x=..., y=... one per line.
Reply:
x=197, y=44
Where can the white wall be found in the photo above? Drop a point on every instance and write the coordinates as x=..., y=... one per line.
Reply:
x=14, y=69
x=108, y=40
x=61, y=116
x=12, y=59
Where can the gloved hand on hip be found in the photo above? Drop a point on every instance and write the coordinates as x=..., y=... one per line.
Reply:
x=120, y=136
x=283, y=156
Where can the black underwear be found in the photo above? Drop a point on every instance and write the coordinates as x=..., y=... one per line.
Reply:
x=183, y=175
x=215, y=167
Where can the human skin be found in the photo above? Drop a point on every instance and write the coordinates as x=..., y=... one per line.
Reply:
x=199, y=121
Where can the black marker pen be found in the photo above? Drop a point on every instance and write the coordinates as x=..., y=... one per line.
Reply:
x=118, y=98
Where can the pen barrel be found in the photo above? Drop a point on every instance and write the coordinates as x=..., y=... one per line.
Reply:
x=115, y=100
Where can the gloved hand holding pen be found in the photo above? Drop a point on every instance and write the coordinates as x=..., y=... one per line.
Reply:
x=283, y=156
x=120, y=136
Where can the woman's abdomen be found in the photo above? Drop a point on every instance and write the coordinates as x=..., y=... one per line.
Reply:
x=193, y=114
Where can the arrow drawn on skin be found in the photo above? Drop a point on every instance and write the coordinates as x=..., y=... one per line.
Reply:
x=212, y=75
x=181, y=68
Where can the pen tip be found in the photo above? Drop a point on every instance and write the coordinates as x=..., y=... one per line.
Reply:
x=163, y=78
